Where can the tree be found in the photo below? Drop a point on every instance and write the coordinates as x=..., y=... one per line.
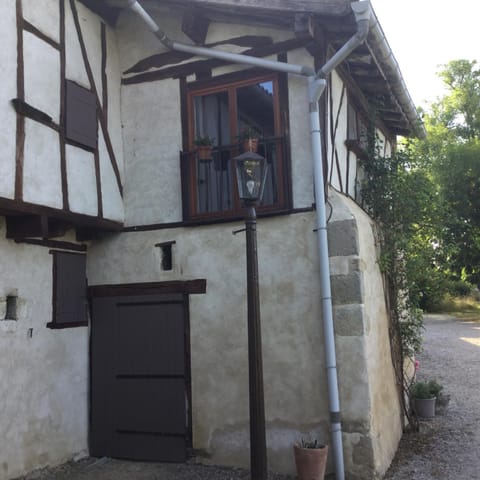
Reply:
x=451, y=153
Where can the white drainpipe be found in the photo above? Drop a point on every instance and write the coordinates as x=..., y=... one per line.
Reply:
x=316, y=86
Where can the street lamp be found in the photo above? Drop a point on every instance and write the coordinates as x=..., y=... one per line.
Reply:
x=251, y=170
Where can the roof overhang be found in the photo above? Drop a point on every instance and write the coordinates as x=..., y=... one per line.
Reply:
x=372, y=66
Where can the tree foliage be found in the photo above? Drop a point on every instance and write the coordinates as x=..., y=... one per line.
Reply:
x=451, y=155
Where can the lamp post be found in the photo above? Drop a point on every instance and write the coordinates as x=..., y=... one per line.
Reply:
x=251, y=170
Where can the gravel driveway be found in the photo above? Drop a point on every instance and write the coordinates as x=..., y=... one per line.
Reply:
x=447, y=447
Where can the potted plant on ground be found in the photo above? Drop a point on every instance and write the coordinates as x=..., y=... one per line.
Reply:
x=310, y=459
x=424, y=396
x=248, y=138
x=204, y=145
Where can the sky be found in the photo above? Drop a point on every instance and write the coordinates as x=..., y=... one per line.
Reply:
x=424, y=34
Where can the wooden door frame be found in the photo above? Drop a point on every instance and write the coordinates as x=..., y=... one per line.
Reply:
x=187, y=287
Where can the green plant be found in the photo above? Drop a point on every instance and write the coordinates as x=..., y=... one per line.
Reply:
x=425, y=390
x=435, y=388
x=421, y=390
x=204, y=141
x=314, y=443
x=247, y=133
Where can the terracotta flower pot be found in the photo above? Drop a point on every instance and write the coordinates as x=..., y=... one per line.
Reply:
x=250, y=145
x=310, y=462
x=204, y=152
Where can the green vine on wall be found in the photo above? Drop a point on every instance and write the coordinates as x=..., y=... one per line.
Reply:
x=394, y=192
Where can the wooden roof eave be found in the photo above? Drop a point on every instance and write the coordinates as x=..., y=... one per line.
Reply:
x=383, y=55
x=331, y=15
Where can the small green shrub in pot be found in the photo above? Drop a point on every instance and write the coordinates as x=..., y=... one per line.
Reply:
x=435, y=388
x=422, y=390
x=428, y=389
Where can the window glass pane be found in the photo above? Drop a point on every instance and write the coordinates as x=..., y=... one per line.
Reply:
x=214, y=182
x=212, y=117
x=255, y=109
x=352, y=123
x=214, y=177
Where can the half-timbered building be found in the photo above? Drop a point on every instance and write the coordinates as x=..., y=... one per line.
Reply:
x=122, y=289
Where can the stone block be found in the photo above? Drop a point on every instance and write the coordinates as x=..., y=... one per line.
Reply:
x=347, y=289
x=343, y=238
x=349, y=320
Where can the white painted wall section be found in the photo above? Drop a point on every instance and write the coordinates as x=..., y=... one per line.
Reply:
x=42, y=75
x=44, y=15
x=300, y=143
x=90, y=28
x=75, y=66
x=152, y=129
x=339, y=117
x=113, y=206
x=42, y=183
x=114, y=78
x=8, y=73
x=81, y=180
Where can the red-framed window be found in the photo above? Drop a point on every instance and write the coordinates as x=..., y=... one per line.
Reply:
x=223, y=111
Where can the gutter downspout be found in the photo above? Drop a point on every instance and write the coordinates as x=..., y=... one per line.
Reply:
x=316, y=86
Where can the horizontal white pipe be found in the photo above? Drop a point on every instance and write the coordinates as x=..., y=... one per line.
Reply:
x=219, y=54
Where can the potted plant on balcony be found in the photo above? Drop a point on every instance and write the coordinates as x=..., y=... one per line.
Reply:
x=203, y=147
x=248, y=139
x=310, y=459
x=424, y=397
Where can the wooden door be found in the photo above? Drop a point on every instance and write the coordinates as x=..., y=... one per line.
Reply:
x=139, y=377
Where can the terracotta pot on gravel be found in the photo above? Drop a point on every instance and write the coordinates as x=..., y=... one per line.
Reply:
x=310, y=462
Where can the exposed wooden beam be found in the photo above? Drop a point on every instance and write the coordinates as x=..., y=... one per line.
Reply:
x=23, y=108
x=27, y=226
x=203, y=65
x=173, y=57
x=304, y=26
x=327, y=7
x=53, y=244
x=175, y=286
x=9, y=207
x=101, y=8
x=195, y=25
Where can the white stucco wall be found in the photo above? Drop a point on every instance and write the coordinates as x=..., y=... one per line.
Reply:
x=302, y=167
x=43, y=377
x=82, y=187
x=8, y=73
x=42, y=79
x=152, y=140
x=386, y=423
x=42, y=182
x=338, y=114
x=74, y=64
x=296, y=403
x=45, y=15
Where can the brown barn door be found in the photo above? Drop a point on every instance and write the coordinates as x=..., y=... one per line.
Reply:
x=139, y=377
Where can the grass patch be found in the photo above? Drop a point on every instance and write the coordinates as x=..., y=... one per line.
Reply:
x=464, y=308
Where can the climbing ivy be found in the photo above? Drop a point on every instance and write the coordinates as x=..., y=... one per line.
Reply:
x=398, y=194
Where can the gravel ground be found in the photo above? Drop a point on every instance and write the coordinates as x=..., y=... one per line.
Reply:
x=447, y=447
x=109, y=469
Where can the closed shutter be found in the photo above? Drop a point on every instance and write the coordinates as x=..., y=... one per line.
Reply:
x=69, y=290
x=81, y=115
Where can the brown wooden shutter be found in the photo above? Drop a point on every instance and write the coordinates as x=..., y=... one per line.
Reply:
x=81, y=115
x=69, y=290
